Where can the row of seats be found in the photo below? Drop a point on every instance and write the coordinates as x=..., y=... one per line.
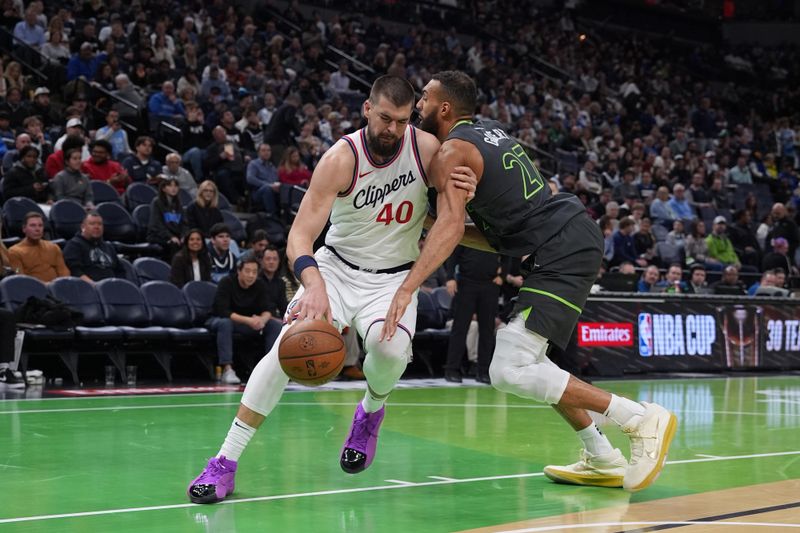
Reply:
x=430, y=340
x=127, y=231
x=119, y=318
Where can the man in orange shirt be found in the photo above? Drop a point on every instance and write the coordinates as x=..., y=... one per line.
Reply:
x=37, y=257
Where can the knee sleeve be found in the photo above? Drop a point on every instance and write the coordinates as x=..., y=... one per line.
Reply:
x=385, y=361
x=521, y=367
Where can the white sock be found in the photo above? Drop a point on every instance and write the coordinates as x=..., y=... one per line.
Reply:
x=623, y=411
x=3, y=366
x=236, y=440
x=594, y=441
x=370, y=403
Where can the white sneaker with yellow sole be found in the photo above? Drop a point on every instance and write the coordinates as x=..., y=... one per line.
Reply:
x=592, y=470
x=650, y=440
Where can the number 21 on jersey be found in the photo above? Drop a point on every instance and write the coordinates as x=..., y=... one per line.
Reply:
x=401, y=215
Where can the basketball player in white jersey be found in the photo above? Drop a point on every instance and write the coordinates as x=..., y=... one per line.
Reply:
x=373, y=185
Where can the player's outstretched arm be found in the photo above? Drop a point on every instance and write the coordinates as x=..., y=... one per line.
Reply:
x=446, y=231
x=333, y=175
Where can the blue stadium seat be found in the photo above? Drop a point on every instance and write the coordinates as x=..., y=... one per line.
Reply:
x=223, y=202
x=103, y=192
x=151, y=269
x=200, y=296
x=14, y=211
x=117, y=223
x=238, y=232
x=130, y=273
x=169, y=309
x=66, y=217
x=137, y=194
x=124, y=306
x=141, y=217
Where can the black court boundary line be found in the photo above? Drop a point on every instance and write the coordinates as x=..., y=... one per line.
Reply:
x=715, y=518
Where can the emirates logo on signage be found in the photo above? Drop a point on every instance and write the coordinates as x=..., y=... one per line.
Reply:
x=605, y=334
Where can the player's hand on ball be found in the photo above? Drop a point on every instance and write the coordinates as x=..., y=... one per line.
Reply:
x=465, y=178
x=313, y=305
x=396, y=311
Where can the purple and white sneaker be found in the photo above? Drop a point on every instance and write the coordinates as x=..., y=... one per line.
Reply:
x=215, y=483
x=359, y=448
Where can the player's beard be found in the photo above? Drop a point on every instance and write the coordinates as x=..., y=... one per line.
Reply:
x=383, y=146
x=429, y=123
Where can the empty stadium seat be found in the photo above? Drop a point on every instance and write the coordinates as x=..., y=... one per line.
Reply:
x=125, y=307
x=169, y=309
x=66, y=217
x=238, y=232
x=14, y=211
x=141, y=217
x=138, y=194
x=103, y=192
x=130, y=273
x=200, y=295
x=151, y=269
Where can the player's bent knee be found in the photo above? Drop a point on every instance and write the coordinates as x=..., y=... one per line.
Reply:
x=397, y=349
x=520, y=367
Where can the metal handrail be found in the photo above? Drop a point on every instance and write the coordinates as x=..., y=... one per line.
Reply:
x=41, y=75
x=105, y=92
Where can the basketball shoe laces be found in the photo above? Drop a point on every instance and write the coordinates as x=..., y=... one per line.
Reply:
x=638, y=446
x=361, y=433
x=212, y=472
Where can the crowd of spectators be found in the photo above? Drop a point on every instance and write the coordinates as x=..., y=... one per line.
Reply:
x=687, y=168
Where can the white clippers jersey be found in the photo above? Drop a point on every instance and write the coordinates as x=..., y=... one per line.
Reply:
x=377, y=223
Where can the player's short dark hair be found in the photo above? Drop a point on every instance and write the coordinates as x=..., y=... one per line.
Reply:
x=396, y=89
x=219, y=227
x=459, y=90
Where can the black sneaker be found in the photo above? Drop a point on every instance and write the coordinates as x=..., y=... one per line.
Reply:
x=8, y=378
x=453, y=376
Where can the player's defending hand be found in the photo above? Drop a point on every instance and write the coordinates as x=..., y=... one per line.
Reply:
x=313, y=304
x=396, y=311
x=465, y=178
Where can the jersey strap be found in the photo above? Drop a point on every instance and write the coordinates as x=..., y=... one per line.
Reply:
x=355, y=168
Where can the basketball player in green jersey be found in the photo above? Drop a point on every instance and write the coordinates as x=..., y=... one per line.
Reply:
x=515, y=214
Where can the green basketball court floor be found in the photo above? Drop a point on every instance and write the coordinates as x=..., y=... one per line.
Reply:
x=449, y=459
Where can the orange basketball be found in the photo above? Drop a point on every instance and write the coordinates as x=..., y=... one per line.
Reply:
x=311, y=352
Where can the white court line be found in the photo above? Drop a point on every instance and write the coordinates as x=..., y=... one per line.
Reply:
x=709, y=456
x=670, y=523
x=400, y=482
x=446, y=481
x=442, y=478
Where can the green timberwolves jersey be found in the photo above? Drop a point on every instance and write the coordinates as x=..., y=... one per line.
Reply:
x=513, y=206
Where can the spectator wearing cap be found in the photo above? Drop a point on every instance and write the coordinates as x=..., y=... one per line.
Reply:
x=173, y=170
x=101, y=167
x=29, y=31
x=165, y=105
x=41, y=107
x=779, y=257
x=141, y=166
x=26, y=178
x=783, y=226
x=84, y=63
x=12, y=156
x=74, y=127
x=167, y=221
x=114, y=133
x=740, y=174
x=720, y=247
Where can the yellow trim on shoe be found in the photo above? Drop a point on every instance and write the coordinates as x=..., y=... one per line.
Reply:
x=571, y=478
x=672, y=426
